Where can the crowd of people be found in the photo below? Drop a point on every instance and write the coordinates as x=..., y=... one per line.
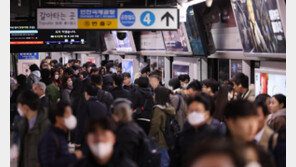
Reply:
x=84, y=116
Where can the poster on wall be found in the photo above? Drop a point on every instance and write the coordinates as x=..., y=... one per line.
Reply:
x=260, y=26
x=152, y=41
x=270, y=83
x=128, y=66
x=176, y=41
x=179, y=69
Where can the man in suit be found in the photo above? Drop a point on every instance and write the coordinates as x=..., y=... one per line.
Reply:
x=265, y=136
x=39, y=89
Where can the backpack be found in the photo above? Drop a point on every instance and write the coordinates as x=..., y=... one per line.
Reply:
x=172, y=128
x=148, y=154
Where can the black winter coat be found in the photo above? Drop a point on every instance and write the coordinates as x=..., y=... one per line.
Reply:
x=129, y=137
x=44, y=102
x=139, y=97
x=53, y=149
x=117, y=160
x=91, y=108
x=120, y=93
x=105, y=98
x=187, y=139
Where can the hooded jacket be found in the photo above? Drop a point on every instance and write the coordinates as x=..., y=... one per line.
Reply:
x=158, y=121
x=34, y=77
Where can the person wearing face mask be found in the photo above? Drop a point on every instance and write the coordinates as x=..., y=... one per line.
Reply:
x=101, y=139
x=277, y=107
x=53, y=148
x=55, y=78
x=67, y=87
x=198, y=114
x=31, y=128
x=184, y=80
x=192, y=90
x=51, y=91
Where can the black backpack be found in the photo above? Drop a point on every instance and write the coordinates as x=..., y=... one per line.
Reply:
x=172, y=128
x=148, y=155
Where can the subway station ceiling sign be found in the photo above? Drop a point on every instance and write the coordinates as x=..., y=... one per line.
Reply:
x=108, y=18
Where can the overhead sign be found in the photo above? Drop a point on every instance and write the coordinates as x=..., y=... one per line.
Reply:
x=108, y=18
x=28, y=56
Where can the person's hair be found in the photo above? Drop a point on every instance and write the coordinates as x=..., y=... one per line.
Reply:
x=101, y=69
x=83, y=73
x=145, y=70
x=69, y=71
x=184, y=77
x=94, y=70
x=261, y=98
x=143, y=82
x=64, y=82
x=41, y=85
x=75, y=67
x=240, y=108
x=21, y=79
x=91, y=90
x=281, y=99
x=216, y=146
x=106, y=123
x=221, y=101
x=240, y=78
x=96, y=79
x=57, y=109
x=126, y=74
x=45, y=75
x=153, y=75
x=175, y=83
x=78, y=88
x=48, y=57
x=54, y=62
x=122, y=109
x=195, y=85
x=118, y=79
x=201, y=98
x=213, y=84
x=263, y=106
x=27, y=97
x=162, y=95
x=33, y=67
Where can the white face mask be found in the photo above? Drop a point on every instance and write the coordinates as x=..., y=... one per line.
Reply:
x=20, y=112
x=253, y=164
x=101, y=149
x=185, y=85
x=70, y=122
x=195, y=118
x=56, y=77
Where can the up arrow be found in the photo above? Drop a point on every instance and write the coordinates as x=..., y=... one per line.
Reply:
x=167, y=15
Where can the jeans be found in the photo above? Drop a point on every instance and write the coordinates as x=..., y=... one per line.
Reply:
x=165, y=159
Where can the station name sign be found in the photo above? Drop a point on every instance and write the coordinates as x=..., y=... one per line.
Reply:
x=108, y=18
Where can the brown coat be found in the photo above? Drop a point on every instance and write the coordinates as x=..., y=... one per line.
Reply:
x=266, y=136
x=278, y=120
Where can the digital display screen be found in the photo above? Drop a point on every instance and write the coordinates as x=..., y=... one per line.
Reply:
x=260, y=26
x=25, y=37
x=269, y=83
x=193, y=33
x=175, y=41
x=180, y=70
x=125, y=45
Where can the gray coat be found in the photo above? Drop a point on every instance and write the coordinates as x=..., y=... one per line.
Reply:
x=65, y=95
x=29, y=139
x=34, y=77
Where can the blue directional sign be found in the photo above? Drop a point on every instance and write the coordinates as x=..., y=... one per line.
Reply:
x=28, y=56
x=127, y=18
